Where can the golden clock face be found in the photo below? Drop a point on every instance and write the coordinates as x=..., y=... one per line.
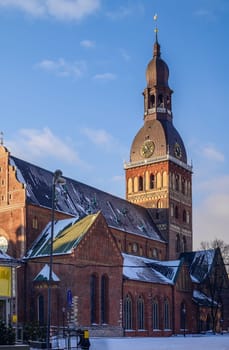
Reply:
x=177, y=150
x=147, y=148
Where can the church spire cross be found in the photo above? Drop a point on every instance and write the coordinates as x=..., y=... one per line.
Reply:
x=156, y=28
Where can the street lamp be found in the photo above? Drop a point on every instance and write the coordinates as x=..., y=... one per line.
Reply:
x=57, y=180
x=184, y=315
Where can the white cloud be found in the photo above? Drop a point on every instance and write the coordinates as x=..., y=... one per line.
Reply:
x=38, y=144
x=102, y=138
x=213, y=154
x=105, y=76
x=63, y=68
x=60, y=9
x=98, y=137
x=87, y=43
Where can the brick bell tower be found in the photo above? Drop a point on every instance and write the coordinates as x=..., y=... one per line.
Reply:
x=158, y=176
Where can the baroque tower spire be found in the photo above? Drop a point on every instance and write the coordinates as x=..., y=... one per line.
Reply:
x=158, y=175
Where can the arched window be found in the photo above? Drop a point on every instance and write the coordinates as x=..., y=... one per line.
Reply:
x=183, y=186
x=178, y=243
x=155, y=253
x=159, y=204
x=160, y=101
x=93, y=298
x=177, y=182
x=152, y=101
x=104, y=299
x=40, y=307
x=183, y=312
x=140, y=313
x=176, y=212
x=152, y=181
x=172, y=209
x=128, y=312
x=184, y=244
x=184, y=216
x=167, y=324
x=140, y=183
x=35, y=223
x=155, y=314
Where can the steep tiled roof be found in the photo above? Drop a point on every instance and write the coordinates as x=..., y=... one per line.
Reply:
x=79, y=200
x=67, y=234
x=148, y=270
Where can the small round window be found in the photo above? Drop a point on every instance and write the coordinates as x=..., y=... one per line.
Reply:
x=3, y=244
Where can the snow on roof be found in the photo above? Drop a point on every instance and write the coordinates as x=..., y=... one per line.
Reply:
x=78, y=199
x=200, y=263
x=7, y=260
x=202, y=299
x=43, y=275
x=67, y=234
x=148, y=270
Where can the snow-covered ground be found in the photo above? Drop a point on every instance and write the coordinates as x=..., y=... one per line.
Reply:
x=195, y=342
x=211, y=342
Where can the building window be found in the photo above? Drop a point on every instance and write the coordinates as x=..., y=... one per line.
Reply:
x=104, y=299
x=155, y=314
x=93, y=298
x=160, y=101
x=140, y=183
x=140, y=313
x=135, y=247
x=172, y=209
x=128, y=312
x=177, y=182
x=155, y=253
x=40, y=313
x=151, y=181
x=176, y=212
x=183, y=186
x=183, y=316
x=35, y=223
x=166, y=315
x=184, y=216
x=178, y=244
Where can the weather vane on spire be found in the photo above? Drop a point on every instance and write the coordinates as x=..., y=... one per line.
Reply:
x=156, y=29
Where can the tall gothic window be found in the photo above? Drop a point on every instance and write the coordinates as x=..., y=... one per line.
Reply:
x=140, y=183
x=155, y=314
x=93, y=298
x=166, y=315
x=40, y=313
x=178, y=243
x=140, y=313
x=104, y=299
x=152, y=181
x=128, y=312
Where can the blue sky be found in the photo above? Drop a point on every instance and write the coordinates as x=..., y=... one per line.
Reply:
x=72, y=74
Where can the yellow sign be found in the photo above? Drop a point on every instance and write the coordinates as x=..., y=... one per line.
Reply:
x=5, y=281
x=86, y=334
x=14, y=318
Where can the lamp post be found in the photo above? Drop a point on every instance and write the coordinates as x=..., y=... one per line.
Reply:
x=57, y=180
x=184, y=315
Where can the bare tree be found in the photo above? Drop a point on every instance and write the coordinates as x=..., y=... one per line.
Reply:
x=222, y=245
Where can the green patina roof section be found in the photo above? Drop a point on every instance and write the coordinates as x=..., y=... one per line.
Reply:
x=70, y=238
